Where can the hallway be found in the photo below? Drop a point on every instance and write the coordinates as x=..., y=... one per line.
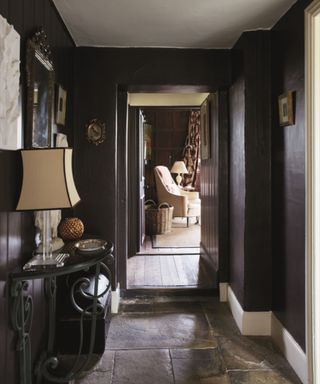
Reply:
x=185, y=341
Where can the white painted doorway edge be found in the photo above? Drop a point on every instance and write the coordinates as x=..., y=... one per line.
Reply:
x=312, y=88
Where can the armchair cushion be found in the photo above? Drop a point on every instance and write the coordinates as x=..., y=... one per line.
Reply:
x=185, y=203
x=190, y=194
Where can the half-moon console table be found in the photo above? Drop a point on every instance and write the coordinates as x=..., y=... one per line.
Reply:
x=91, y=282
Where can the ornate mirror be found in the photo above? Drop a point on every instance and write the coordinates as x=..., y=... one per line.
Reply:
x=40, y=83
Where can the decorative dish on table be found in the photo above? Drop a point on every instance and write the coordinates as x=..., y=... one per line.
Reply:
x=90, y=245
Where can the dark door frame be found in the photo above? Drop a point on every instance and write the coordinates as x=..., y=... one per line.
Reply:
x=122, y=175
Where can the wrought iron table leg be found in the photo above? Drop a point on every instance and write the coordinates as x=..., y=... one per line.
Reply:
x=21, y=320
x=50, y=363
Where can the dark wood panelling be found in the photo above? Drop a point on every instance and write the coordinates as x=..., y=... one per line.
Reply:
x=169, y=133
x=250, y=172
x=209, y=191
x=15, y=15
x=39, y=7
x=215, y=191
x=122, y=163
x=288, y=179
x=4, y=5
x=237, y=180
x=258, y=173
x=10, y=179
x=133, y=222
x=223, y=185
x=3, y=276
x=99, y=73
x=16, y=229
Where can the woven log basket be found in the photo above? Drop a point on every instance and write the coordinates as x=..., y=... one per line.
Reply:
x=158, y=218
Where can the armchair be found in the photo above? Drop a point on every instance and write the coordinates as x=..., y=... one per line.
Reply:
x=186, y=204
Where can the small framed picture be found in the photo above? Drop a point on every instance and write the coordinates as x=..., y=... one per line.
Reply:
x=286, y=115
x=61, y=105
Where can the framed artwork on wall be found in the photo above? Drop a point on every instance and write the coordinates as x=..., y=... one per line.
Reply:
x=286, y=114
x=61, y=105
x=204, y=131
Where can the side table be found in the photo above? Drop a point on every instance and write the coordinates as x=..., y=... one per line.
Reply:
x=49, y=365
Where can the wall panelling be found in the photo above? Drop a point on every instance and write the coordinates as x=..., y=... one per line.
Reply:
x=288, y=176
x=16, y=229
x=101, y=72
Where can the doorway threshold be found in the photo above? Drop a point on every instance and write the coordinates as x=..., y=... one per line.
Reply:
x=160, y=291
x=148, y=248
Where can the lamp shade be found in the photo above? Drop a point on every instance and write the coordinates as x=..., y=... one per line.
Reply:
x=47, y=180
x=179, y=167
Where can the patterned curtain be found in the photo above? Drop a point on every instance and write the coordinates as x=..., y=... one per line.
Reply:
x=191, y=152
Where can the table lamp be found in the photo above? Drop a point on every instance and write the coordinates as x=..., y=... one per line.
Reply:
x=47, y=184
x=179, y=167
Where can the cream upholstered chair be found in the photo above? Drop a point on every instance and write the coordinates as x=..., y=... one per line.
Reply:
x=186, y=204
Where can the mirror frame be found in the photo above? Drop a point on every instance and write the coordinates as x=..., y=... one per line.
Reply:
x=38, y=49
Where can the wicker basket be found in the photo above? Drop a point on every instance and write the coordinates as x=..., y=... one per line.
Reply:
x=158, y=218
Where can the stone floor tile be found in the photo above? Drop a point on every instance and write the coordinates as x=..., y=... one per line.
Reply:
x=212, y=303
x=190, y=366
x=106, y=362
x=220, y=379
x=205, y=345
x=220, y=319
x=241, y=352
x=266, y=346
x=142, y=367
x=96, y=378
x=135, y=308
x=261, y=377
x=194, y=354
x=168, y=330
x=161, y=307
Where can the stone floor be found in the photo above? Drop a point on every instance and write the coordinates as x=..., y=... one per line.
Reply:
x=185, y=341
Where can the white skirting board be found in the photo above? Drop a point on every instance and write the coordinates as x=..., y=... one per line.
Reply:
x=249, y=323
x=290, y=349
x=223, y=292
x=115, y=300
x=266, y=324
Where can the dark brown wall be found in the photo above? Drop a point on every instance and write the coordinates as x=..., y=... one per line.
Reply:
x=98, y=73
x=237, y=177
x=215, y=191
x=250, y=172
x=170, y=129
x=169, y=133
x=16, y=229
x=288, y=175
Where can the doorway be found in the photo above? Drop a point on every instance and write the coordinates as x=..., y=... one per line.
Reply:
x=154, y=266
x=167, y=252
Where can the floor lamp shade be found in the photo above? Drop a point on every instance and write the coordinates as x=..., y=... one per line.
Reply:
x=47, y=180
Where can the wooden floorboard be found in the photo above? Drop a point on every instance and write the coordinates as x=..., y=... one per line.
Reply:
x=136, y=270
x=168, y=271
x=182, y=268
x=147, y=249
x=152, y=271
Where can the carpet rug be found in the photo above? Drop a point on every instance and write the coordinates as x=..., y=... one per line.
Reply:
x=179, y=237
